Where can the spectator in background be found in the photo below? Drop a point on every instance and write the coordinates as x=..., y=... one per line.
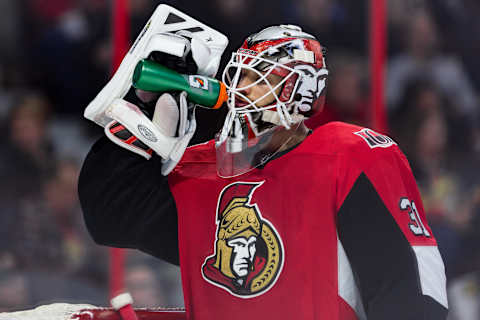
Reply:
x=69, y=60
x=458, y=23
x=142, y=283
x=45, y=13
x=13, y=290
x=422, y=58
x=25, y=162
x=48, y=244
x=26, y=157
x=40, y=221
x=61, y=204
x=151, y=282
x=342, y=25
x=50, y=234
x=422, y=129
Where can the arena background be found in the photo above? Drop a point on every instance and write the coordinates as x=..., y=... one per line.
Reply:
x=56, y=55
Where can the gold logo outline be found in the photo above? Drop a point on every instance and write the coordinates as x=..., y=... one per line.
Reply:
x=266, y=279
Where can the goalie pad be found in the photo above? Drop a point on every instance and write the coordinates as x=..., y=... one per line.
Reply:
x=205, y=43
x=168, y=134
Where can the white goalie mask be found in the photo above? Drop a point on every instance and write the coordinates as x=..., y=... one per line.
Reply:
x=296, y=60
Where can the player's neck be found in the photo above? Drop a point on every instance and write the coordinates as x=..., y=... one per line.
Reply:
x=293, y=137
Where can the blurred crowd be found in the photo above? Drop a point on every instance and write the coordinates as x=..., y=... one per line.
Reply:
x=56, y=55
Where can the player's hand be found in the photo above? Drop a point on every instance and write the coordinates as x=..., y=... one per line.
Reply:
x=179, y=53
x=167, y=133
x=164, y=123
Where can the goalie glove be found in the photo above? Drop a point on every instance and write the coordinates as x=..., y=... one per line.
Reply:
x=167, y=134
x=180, y=43
x=169, y=36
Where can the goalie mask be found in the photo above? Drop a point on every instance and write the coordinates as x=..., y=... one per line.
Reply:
x=289, y=65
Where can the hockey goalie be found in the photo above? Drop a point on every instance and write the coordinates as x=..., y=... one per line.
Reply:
x=269, y=220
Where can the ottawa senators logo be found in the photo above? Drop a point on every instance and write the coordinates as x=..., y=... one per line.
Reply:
x=249, y=254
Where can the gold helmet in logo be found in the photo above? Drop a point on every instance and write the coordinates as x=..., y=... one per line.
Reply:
x=237, y=220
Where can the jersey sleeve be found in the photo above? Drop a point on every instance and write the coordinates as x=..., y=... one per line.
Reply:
x=382, y=227
x=127, y=202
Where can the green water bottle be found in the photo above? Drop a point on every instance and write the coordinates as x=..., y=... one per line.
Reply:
x=205, y=91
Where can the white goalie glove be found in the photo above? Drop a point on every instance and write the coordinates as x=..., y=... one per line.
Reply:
x=167, y=134
x=181, y=43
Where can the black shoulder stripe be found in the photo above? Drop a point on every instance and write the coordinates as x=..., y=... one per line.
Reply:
x=382, y=259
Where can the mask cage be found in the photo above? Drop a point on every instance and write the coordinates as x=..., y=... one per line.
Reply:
x=262, y=67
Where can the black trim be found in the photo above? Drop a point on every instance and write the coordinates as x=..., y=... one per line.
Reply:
x=173, y=18
x=116, y=124
x=140, y=144
x=123, y=134
x=193, y=30
x=382, y=259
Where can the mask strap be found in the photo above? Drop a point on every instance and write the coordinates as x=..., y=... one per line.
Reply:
x=227, y=126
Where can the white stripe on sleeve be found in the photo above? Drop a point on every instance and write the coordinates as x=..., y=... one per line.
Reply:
x=432, y=273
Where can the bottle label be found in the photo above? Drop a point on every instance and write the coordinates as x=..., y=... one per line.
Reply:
x=198, y=82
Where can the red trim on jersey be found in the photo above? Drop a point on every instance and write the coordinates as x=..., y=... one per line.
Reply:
x=345, y=312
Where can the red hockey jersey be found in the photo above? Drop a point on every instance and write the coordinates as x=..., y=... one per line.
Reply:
x=334, y=229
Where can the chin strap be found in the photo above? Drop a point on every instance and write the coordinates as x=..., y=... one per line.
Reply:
x=227, y=127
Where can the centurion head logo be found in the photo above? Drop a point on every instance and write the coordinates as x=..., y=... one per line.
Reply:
x=249, y=254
